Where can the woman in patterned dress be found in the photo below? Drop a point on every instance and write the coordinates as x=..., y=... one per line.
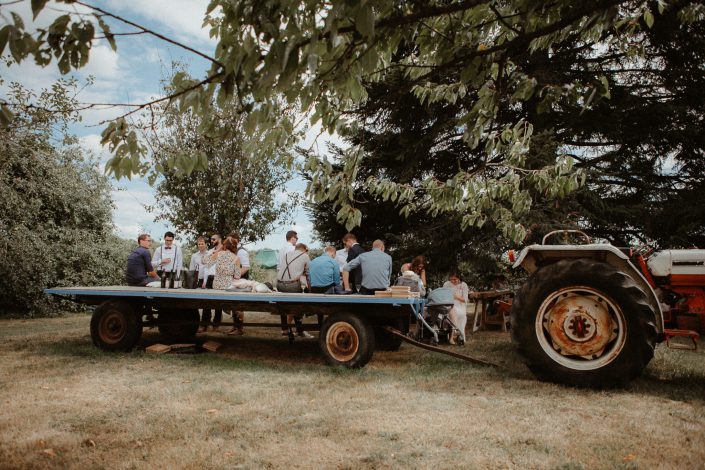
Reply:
x=227, y=265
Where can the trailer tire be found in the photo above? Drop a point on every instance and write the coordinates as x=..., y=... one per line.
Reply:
x=115, y=326
x=178, y=325
x=582, y=322
x=347, y=340
x=386, y=341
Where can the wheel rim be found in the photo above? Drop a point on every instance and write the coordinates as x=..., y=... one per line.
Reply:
x=580, y=328
x=112, y=327
x=342, y=341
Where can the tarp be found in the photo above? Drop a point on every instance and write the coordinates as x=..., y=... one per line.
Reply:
x=267, y=258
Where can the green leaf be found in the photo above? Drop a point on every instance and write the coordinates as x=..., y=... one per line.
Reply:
x=37, y=7
x=4, y=35
x=648, y=18
x=18, y=20
x=365, y=21
x=6, y=116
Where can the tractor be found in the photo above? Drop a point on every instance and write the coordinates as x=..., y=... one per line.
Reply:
x=590, y=314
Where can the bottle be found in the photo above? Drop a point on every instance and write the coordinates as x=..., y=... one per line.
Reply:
x=171, y=279
x=164, y=275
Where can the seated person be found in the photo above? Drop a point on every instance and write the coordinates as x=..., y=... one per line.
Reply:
x=417, y=265
x=139, y=264
x=324, y=271
x=376, y=266
x=294, y=265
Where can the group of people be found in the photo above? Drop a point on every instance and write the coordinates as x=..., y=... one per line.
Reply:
x=351, y=269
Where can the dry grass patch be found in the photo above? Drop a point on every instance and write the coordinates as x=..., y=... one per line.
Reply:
x=261, y=403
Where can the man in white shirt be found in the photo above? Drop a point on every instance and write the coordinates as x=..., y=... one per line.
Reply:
x=341, y=256
x=168, y=258
x=197, y=260
x=291, y=239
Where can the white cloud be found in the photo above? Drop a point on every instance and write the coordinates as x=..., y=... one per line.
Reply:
x=103, y=64
x=91, y=143
x=180, y=18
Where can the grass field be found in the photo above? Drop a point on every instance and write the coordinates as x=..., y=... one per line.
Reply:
x=262, y=403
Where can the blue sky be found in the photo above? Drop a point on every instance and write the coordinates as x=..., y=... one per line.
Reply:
x=133, y=74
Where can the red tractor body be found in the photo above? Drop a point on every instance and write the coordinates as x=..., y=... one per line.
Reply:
x=678, y=278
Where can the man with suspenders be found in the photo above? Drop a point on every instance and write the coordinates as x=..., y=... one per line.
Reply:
x=293, y=266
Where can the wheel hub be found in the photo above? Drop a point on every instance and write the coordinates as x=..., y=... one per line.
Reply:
x=112, y=327
x=342, y=341
x=579, y=325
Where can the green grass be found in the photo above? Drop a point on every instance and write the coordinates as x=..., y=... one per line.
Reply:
x=262, y=403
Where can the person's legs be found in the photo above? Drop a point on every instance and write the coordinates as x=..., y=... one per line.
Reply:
x=461, y=322
x=290, y=288
x=217, y=318
x=205, y=320
x=238, y=320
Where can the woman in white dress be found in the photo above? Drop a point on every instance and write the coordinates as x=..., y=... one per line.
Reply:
x=459, y=314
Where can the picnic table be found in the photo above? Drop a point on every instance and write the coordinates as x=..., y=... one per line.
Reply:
x=501, y=312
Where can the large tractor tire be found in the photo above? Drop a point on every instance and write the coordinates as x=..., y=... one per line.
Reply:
x=584, y=323
x=115, y=326
x=178, y=325
x=347, y=340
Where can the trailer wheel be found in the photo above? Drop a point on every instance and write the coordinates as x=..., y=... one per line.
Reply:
x=585, y=323
x=347, y=340
x=178, y=325
x=385, y=341
x=115, y=326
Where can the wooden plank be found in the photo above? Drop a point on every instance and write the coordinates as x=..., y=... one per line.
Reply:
x=158, y=349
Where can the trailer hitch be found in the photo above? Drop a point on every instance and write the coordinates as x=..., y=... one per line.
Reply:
x=421, y=345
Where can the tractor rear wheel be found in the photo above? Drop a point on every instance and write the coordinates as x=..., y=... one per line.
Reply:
x=585, y=323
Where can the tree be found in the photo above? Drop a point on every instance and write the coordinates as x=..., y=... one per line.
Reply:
x=238, y=189
x=641, y=150
x=319, y=56
x=55, y=226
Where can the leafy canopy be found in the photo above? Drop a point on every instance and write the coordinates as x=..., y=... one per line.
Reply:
x=318, y=55
x=55, y=226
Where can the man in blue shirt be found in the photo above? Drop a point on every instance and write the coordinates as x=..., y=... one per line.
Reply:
x=376, y=269
x=324, y=272
x=139, y=264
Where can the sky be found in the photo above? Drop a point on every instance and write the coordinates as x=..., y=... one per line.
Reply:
x=134, y=74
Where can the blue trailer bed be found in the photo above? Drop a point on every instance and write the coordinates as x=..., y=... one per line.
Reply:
x=351, y=326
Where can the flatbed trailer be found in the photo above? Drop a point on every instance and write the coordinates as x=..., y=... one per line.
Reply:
x=351, y=326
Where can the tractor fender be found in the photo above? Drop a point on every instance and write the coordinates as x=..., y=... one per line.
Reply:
x=534, y=257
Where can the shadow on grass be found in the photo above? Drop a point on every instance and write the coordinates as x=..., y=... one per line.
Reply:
x=672, y=375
